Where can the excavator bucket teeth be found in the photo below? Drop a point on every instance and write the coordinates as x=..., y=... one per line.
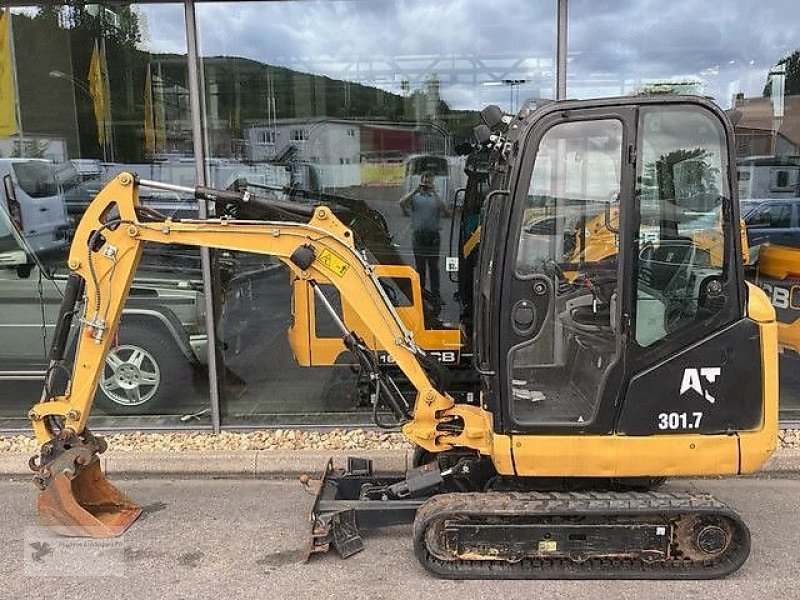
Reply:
x=84, y=504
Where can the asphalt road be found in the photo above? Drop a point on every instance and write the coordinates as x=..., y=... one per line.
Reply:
x=240, y=539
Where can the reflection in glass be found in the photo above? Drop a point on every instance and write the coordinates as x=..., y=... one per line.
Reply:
x=567, y=248
x=681, y=243
x=745, y=57
x=348, y=104
x=97, y=98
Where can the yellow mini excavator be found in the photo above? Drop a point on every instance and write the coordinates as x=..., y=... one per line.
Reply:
x=600, y=374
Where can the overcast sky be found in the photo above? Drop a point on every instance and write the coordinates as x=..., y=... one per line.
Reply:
x=615, y=46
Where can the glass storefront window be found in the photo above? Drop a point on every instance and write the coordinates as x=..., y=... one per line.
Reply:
x=102, y=93
x=351, y=104
x=746, y=57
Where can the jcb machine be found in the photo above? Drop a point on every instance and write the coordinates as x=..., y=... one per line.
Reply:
x=600, y=374
x=778, y=274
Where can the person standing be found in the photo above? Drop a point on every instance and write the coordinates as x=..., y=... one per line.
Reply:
x=425, y=207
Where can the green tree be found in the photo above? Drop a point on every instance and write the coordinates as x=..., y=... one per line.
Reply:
x=686, y=177
x=658, y=88
x=48, y=15
x=792, y=83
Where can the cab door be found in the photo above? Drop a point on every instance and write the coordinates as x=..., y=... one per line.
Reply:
x=693, y=357
x=621, y=293
x=562, y=321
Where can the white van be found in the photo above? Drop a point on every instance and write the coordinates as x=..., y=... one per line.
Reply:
x=35, y=203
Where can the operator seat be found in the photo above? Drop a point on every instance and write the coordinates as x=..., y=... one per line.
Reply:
x=666, y=266
x=665, y=273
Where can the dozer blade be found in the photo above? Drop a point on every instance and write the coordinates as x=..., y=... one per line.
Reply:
x=343, y=507
x=80, y=502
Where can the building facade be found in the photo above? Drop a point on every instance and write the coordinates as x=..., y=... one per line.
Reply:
x=333, y=101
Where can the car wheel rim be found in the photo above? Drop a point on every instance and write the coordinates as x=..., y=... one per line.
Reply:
x=131, y=376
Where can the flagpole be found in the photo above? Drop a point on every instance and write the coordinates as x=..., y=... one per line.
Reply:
x=160, y=114
x=17, y=104
x=149, y=128
x=107, y=91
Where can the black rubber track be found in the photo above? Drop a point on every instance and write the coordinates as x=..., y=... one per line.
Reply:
x=543, y=507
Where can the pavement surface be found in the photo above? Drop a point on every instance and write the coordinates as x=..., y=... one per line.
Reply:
x=232, y=538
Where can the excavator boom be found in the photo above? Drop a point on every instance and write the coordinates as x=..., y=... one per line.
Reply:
x=105, y=254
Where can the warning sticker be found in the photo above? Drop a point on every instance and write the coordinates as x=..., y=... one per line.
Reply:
x=333, y=262
x=548, y=546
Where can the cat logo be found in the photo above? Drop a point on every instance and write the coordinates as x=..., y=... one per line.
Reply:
x=692, y=381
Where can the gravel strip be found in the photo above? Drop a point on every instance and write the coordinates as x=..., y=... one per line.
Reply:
x=272, y=439
x=789, y=438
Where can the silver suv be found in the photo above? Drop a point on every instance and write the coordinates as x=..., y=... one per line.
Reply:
x=161, y=341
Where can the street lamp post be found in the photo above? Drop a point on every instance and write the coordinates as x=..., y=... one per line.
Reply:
x=512, y=84
x=78, y=84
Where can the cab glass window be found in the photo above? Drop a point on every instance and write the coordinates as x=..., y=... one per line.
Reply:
x=681, y=236
x=36, y=178
x=567, y=253
x=780, y=216
x=573, y=198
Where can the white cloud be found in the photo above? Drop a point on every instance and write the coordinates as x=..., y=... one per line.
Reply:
x=165, y=28
x=730, y=46
x=615, y=45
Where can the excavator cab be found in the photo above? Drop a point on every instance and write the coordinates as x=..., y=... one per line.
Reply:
x=613, y=331
x=608, y=271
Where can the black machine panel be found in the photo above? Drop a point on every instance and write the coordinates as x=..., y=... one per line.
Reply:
x=558, y=332
x=701, y=389
x=607, y=272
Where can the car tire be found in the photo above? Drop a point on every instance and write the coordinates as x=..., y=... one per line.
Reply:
x=143, y=373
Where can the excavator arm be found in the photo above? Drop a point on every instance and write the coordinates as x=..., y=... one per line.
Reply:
x=76, y=499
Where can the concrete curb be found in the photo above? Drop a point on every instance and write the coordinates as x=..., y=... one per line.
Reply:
x=783, y=462
x=276, y=464
x=270, y=464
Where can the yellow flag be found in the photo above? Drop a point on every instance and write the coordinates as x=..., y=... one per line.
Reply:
x=99, y=91
x=149, y=130
x=159, y=116
x=8, y=104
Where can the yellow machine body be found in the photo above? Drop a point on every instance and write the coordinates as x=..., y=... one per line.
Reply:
x=312, y=348
x=108, y=272
x=778, y=274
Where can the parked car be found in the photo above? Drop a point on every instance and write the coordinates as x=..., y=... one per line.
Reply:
x=774, y=221
x=34, y=202
x=89, y=169
x=71, y=184
x=160, y=343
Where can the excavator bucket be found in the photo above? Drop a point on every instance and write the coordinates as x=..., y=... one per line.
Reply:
x=82, y=503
